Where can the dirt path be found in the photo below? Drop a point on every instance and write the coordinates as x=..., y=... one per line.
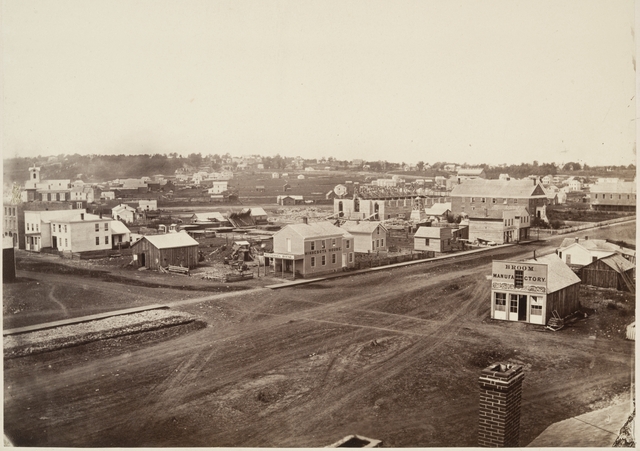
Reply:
x=393, y=355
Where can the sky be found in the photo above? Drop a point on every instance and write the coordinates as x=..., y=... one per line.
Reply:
x=475, y=81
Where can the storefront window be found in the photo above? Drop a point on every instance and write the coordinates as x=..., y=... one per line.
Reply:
x=513, y=305
x=536, y=310
x=501, y=301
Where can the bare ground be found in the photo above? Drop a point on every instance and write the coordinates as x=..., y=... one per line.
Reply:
x=393, y=355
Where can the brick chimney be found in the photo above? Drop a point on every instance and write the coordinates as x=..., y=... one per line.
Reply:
x=500, y=396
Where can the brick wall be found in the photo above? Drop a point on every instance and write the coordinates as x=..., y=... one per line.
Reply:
x=499, y=413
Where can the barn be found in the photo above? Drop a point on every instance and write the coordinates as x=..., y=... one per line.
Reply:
x=530, y=291
x=176, y=249
x=613, y=271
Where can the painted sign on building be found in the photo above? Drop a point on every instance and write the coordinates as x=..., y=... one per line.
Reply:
x=529, y=277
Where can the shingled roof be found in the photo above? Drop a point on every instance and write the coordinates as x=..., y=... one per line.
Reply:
x=559, y=275
x=498, y=188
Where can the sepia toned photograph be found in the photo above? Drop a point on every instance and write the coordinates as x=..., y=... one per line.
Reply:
x=308, y=224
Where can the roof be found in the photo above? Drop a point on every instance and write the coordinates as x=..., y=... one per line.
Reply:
x=367, y=227
x=498, y=188
x=208, y=217
x=118, y=228
x=559, y=275
x=471, y=171
x=122, y=207
x=616, y=262
x=258, y=211
x=171, y=240
x=618, y=188
x=597, y=245
x=438, y=209
x=317, y=229
x=430, y=232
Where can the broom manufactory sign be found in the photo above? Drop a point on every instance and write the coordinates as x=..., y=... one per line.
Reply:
x=519, y=276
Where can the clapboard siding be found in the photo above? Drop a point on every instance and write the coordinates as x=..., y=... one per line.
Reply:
x=186, y=256
x=565, y=301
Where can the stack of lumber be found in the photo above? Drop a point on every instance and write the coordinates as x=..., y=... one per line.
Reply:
x=555, y=322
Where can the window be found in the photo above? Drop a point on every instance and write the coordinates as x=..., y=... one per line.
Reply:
x=610, y=196
x=501, y=302
x=333, y=242
x=66, y=243
x=106, y=239
x=515, y=201
x=65, y=228
x=97, y=240
x=619, y=196
x=536, y=310
x=348, y=244
x=596, y=196
x=493, y=201
x=313, y=262
x=483, y=200
x=426, y=241
x=473, y=199
x=377, y=243
x=333, y=259
x=313, y=245
x=97, y=227
x=350, y=257
x=518, y=278
x=513, y=305
x=106, y=226
x=324, y=260
x=382, y=242
x=59, y=228
x=323, y=244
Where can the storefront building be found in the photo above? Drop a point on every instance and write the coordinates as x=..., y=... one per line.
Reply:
x=311, y=249
x=530, y=291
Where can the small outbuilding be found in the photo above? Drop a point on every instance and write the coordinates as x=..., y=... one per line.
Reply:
x=436, y=239
x=613, y=271
x=530, y=291
x=176, y=249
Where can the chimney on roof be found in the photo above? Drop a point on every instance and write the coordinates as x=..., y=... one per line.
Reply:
x=586, y=238
x=577, y=240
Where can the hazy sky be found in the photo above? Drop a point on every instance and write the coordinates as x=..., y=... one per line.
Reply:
x=460, y=81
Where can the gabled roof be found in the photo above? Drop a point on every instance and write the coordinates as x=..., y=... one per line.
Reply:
x=118, y=228
x=438, y=209
x=430, y=232
x=559, y=275
x=258, y=211
x=367, y=227
x=511, y=189
x=596, y=245
x=171, y=240
x=617, y=263
x=121, y=207
x=317, y=229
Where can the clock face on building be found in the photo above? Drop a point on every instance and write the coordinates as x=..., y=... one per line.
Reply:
x=340, y=190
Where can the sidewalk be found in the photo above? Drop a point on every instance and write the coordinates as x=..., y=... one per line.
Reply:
x=292, y=283
x=599, y=428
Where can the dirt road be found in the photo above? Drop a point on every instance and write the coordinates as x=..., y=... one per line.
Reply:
x=393, y=355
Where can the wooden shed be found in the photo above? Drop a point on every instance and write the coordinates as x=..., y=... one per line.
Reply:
x=176, y=249
x=613, y=271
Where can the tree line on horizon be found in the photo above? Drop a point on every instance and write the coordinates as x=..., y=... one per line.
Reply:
x=98, y=168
